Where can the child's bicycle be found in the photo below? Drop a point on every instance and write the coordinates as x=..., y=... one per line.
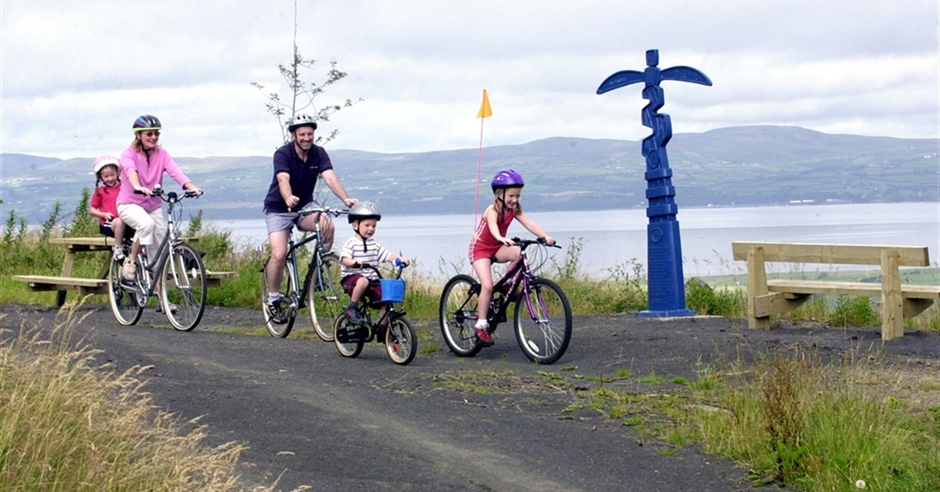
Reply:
x=321, y=291
x=391, y=326
x=183, y=287
x=542, y=315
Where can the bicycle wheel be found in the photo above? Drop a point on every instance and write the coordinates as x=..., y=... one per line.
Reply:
x=401, y=341
x=325, y=296
x=279, y=323
x=543, y=322
x=184, y=287
x=123, y=300
x=343, y=329
x=458, y=315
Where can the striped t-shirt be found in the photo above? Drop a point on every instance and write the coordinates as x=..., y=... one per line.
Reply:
x=367, y=253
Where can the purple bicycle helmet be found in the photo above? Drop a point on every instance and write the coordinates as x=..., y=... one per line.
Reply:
x=507, y=178
x=146, y=122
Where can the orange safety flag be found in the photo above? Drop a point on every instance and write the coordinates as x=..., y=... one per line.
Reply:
x=485, y=111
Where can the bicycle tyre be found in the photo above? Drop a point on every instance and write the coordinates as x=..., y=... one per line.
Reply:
x=325, y=295
x=401, y=341
x=185, y=286
x=127, y=310
x=278, y=327
x=352, y=349
x=545, y=334
x=458, y=315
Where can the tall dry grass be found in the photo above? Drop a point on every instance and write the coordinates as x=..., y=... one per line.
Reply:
x=69, y=422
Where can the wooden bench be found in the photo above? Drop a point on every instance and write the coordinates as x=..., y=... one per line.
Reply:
x=66, y=282
x=770, y=297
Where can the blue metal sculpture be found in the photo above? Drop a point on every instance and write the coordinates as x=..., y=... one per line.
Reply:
x=664, y=250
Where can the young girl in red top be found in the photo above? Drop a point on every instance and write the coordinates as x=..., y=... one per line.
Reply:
x=104, y=201
x=490, y=244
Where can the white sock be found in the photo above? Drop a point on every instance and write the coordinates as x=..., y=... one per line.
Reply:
x=482, y=323
x=273, y=296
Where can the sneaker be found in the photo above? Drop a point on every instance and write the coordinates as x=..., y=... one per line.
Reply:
x=352, y=314
x=484, y=338
x=118, y=253
x=128, y=271
x=273, y=306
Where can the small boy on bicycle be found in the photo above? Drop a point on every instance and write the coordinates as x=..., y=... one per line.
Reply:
x=490, y=244
x=359, y=250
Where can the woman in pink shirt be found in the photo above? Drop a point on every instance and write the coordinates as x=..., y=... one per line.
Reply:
x=142, y=166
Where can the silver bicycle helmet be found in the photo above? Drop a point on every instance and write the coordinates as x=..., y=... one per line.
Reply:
x=364, y=210
x=300, y=120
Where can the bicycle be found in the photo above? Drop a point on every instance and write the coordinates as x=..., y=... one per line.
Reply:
x=321, y=291
x=542, y=315
x=182, y=273
x=398, y=334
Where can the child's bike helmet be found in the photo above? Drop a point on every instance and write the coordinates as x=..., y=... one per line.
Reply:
x=300, y=120
x=507, y=178
x=106, y=160
x=363, y=211
x=146, y=122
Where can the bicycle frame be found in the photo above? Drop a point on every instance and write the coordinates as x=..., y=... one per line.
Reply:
x=517, y=277
x=292, y=248
x=171, y=238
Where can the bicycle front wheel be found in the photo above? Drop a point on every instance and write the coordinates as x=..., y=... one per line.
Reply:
x=543, y=322
x=458, y=315
x=184, y=287
x=123, y=299
x=280, y=322
x=325, y=296
x=401, y=341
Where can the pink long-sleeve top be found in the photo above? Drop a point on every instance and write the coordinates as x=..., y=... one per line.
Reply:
x=149, y=174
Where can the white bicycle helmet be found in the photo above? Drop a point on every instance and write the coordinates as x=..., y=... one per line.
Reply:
x=300, y=120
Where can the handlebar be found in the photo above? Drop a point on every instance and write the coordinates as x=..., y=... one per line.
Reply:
x=398, y=263
x=312, y=208
x=169, y=196
x=525, y=243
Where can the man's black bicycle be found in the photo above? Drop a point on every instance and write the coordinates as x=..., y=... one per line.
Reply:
x=321, y=292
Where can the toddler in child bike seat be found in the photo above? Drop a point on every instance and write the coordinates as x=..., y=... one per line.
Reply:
x=103, y=203
x=359, y=250
x=490, y=244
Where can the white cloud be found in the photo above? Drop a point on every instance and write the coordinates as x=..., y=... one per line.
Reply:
x=75, y=75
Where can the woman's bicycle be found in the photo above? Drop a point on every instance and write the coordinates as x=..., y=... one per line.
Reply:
x=390, y=325
x=321, y=292
x=542, y=315
x=177, y=265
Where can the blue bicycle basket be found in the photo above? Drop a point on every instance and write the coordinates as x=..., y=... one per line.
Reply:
x=393, y=290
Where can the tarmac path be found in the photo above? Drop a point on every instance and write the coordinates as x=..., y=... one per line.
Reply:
x=313, y=418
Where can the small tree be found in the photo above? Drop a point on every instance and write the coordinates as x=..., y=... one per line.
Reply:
x=303, y=94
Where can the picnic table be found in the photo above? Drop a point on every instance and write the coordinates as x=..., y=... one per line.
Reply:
x=98, y=285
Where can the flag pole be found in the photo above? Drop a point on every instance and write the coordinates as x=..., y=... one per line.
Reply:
x=484, y=113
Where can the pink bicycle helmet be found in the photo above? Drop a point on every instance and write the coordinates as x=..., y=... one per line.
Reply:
x=507, y=178
x=106, y=160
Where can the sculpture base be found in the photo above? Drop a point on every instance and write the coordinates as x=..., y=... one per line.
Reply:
x=675, y=313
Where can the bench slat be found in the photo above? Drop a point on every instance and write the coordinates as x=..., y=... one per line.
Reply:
x=841, y=254
x=851, y=288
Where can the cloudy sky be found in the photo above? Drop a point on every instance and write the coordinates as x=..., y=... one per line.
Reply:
x=76, y=74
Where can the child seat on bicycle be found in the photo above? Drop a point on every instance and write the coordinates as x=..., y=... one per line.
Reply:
x=361, y=250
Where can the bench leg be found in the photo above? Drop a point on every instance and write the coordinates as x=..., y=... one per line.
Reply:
x=756, y=287
x=892, y=301
x=60, y=298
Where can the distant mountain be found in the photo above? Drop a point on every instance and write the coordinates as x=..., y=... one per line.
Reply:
x=753, y=165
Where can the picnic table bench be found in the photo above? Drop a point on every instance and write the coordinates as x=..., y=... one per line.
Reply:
x=899, y=301
x=99, y=285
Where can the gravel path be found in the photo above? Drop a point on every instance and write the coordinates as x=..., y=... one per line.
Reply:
x=334, y=424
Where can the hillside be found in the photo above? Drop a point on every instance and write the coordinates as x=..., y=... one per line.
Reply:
x=757, y=165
